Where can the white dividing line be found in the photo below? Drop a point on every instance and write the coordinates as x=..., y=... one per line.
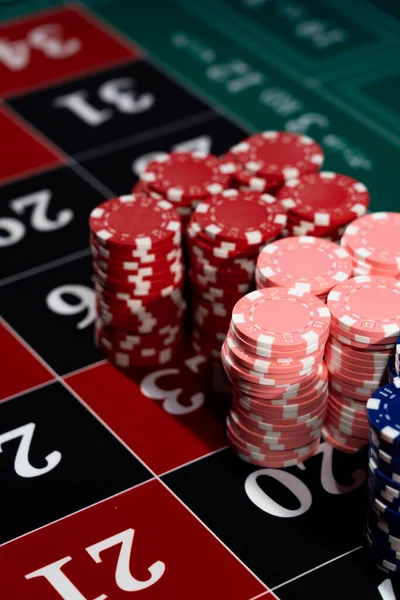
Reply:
x=195, y=460
x=91, y=179
x=28, y=390
x=76, y=512
x=214, y=535
x=45, y=267
x=100, y=362
x=316, y=568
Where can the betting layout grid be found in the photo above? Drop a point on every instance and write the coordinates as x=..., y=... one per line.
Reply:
x=68, y=145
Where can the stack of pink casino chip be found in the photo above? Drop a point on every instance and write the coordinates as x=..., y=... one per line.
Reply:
x=273, y=356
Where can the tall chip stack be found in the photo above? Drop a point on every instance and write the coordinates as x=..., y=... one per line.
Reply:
x=138, y=273
x=304, y=263
x=266, y=161
x=373, y=241
x=273, y=356
x=383, y=520
x=185, y=179
x=322, y=204
x=224, y=236
x=365, y=313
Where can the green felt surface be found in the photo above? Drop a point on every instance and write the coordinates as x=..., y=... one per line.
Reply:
x=327, y=68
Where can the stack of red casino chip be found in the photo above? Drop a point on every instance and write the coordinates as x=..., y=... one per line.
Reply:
x=305, y=263
x=224, y=236
x=365, y=323
x=373, y=242
x=265, y=161
x=273, y=356
x=137, y=262
x=185, y=179
x=322, y=204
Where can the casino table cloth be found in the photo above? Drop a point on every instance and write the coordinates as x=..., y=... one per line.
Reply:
x=122, y=482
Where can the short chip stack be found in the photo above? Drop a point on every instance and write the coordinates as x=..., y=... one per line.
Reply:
x=273, y=357
x=322, y=204
x=265, y=161
x=137, y=261
x=383, y=523
x=373, y=241
x=365, y=314
x=305, y=263
x=186, y=178
x=224, y=237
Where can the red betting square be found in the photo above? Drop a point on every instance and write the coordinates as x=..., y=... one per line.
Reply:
x=142, y=541
x=161, y=415
x=23, y=152
x=20, y=369
x=53, y=46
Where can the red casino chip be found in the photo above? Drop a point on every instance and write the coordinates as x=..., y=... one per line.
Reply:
x=299, y=227
x=126, y=281
x=140, y=188
x=162, y=251
x=147, y=358
x=247, y=181
x=242, y=217
x=138, y=276
x=278, y=155
x=135, y=221
x=325, y=199
x=187, y=176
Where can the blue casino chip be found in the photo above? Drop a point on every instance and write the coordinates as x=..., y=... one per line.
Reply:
x=381, y=526
x=383, y=411
x=393, y=368
x=388, y=464
x=382, y=540
x=382, y=559
x=385, y=493
x=379, y=477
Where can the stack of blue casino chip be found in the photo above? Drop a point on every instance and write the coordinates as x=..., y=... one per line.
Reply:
x=383, y=525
